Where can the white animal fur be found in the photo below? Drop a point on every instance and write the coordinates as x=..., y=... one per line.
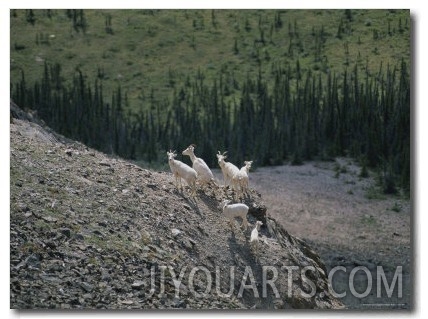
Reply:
x=181, y=170
x=204, y=173
x=235, y=210
x=227, y=168
x=241, y=179
x=254, y=239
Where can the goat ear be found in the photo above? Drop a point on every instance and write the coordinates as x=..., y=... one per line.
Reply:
x=193, y=145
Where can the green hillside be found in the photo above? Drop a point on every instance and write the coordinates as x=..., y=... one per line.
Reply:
x=145, y=50
x=268, y=85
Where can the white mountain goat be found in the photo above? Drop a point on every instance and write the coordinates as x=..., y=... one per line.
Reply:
x=254, y=239
x=235, y=210
x=227, y=168
x=181, y=170
x=204, y=173
x=241, y=178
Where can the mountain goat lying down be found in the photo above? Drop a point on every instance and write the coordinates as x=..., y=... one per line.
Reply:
x=205, y=175
x=235, y=210
x=181, y=170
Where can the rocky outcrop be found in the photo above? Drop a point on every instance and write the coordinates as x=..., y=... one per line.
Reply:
x=90, y=231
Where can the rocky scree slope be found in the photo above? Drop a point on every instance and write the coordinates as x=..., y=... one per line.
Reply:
x=88, y=231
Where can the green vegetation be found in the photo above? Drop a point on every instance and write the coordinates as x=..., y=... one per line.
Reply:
x=364, y=173
x=270, y=85
x=369, y=220
x=145, y=50
x=374, y=192
x=396, y=207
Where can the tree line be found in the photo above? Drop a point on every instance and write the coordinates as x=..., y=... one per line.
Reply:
x=294, y=117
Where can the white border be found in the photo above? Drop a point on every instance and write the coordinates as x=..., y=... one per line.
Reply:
x=419, y=15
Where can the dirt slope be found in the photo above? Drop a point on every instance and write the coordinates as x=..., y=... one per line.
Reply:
x=90, y=231
x=347, y=221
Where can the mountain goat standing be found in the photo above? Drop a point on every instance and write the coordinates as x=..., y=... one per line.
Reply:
x=228, y=169
x=241, y=178
x=181, y=170
x=254, y=239
x=235, y=210
x=204, y=173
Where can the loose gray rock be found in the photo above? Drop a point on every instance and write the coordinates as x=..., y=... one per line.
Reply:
x=112, y=230
x=87, y=287
x=175, y=232
x=138, y=285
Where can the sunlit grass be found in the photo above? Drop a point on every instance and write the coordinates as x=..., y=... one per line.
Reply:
x=146, y=47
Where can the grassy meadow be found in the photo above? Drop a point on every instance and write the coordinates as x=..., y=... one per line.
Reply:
x=268, y=85
x=150, y=52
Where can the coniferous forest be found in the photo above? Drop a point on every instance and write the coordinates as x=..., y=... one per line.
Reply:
x=281, y=112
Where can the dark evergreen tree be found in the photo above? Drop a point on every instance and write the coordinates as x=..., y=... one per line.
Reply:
x=300, y=116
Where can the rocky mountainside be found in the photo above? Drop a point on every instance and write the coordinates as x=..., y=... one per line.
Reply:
x=88, y=231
